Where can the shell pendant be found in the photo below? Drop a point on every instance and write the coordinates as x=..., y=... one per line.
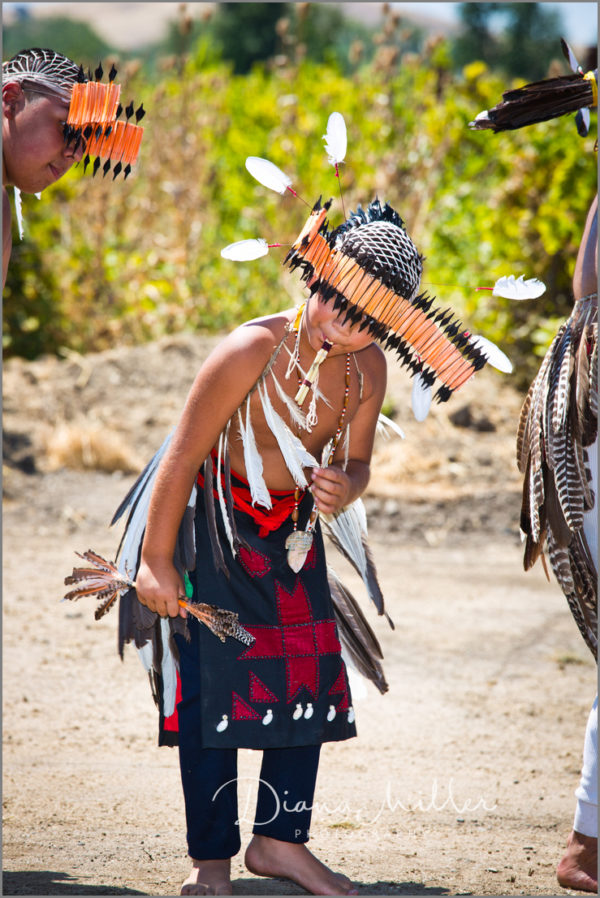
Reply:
x=298, y=546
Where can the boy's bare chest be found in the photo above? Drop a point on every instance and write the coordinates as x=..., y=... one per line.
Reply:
x=338, y=399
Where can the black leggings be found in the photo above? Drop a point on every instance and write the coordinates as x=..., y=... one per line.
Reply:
x=209, y=778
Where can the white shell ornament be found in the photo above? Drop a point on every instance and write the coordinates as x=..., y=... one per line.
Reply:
x=298, y=712
x=350, y=715
x=223, y=724
x=298, y=546
x=331, y=713
x=267, y=718
x=309, y=711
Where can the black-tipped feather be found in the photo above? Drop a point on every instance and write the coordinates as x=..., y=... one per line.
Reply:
x=356, y=636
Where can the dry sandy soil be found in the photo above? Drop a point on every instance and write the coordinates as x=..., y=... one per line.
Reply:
x=461, y=780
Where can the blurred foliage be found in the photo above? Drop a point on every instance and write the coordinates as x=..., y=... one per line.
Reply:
x=65, y=35
x=105, y=262
x=516, y=38
x=247, y=32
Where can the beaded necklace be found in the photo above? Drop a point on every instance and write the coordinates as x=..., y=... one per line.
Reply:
x=299, y=542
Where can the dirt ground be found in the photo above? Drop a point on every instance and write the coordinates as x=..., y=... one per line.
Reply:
x=461, y=780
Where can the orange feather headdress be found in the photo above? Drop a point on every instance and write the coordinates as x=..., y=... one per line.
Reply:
x=370, y=269
x=93, y=120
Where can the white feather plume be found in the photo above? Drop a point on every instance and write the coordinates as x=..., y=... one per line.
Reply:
x=220, y=494
x=585, y=115
x=420, y=398
x=132, y=540
x=19, y=212
x=348, y=531
x=518, y=288
x=571, y=57
x=296, y=414
x=336, y=138
x=253, y=461
x=294, y=453
x=493, y=355
x=245, y=250
x=384, y=424
x=268, y=174
x=168, y=670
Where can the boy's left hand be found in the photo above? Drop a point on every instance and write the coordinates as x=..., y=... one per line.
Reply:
x=331, y=489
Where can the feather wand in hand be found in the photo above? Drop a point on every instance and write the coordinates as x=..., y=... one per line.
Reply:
x=105, y=581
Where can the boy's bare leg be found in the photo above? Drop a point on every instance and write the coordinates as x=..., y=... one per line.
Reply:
x=578, y=868
x=292, y=860
x=209, y=878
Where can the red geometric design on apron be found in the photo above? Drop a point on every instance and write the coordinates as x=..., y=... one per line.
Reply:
x=258, y=692
x=341, y=685
x=240, y=710
x=300, y=640
x=254, y=562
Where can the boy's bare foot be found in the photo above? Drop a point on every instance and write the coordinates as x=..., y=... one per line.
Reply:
x=578, y=868
x=209, y=878
x=291, y=860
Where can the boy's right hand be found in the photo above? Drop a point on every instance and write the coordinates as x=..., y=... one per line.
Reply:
x=159, y=587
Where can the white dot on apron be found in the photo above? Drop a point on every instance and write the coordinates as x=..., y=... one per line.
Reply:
x=223, y=724
x=350, y=715
x=298, y=712
x=331, y=713
x=268, y=717
x=309, y=711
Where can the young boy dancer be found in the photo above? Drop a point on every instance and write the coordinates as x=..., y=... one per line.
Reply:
x=263, y=556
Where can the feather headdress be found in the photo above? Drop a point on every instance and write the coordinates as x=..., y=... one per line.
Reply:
x=370, y=270
x=93, y=121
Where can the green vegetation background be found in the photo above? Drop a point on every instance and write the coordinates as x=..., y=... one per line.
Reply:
x=104, y=263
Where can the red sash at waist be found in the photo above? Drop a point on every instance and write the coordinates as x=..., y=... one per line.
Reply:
x=268, y=519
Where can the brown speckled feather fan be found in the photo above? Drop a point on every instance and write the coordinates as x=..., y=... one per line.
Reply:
x=558, y=420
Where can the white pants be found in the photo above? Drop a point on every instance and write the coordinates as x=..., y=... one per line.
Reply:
x=586, y=813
